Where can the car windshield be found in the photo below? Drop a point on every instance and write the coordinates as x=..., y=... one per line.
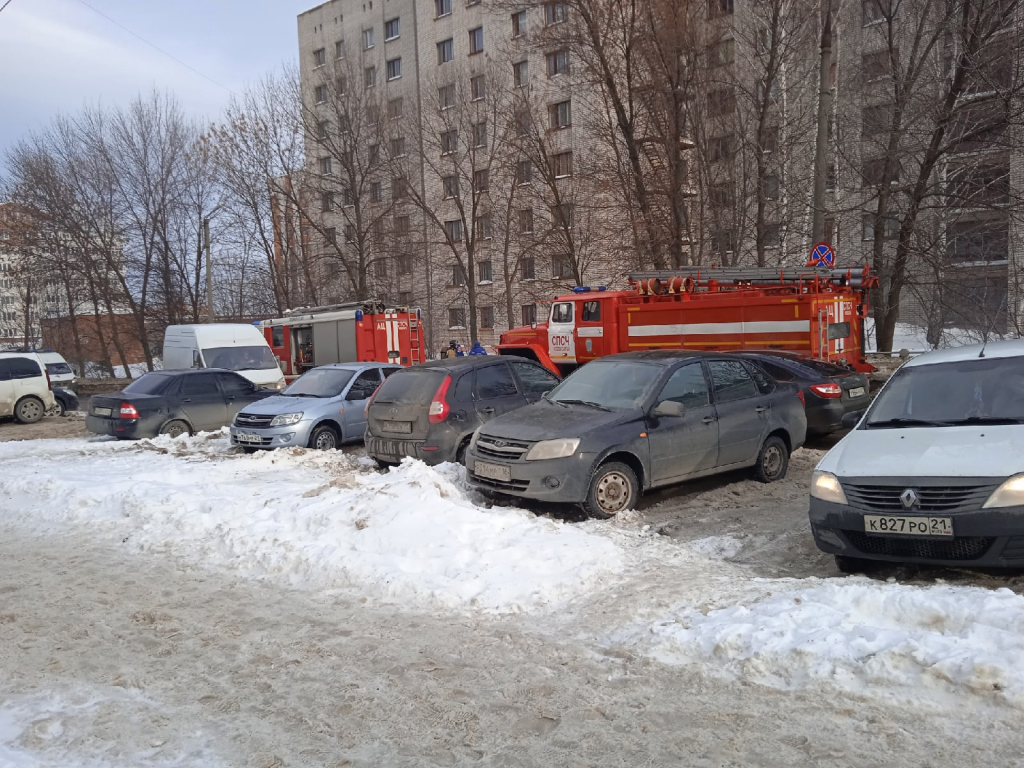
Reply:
x=149, y=384
x=320, y=382
x=409, y=387
x=240, y=358
x=619, y=385
x=57, y=369
x=950, y=394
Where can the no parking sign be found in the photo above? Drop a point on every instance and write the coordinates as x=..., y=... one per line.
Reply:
x=822, y=255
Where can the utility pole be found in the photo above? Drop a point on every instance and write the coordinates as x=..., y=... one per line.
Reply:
x=209, y=272
x=821, y=145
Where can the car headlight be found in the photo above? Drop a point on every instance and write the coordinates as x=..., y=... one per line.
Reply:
x=277, y=386
x=1009, y=494
x=285, y=419
x=826, y=486
x=553, y=449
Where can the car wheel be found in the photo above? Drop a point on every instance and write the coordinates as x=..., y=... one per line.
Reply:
x=384, y=465
x=249, y=449
x=60, y=409
x=29, y=410
x=324, y=438
x=847, y=564
x=175, y=428
x=772, y=461
x=460, y=455
x=613, y=489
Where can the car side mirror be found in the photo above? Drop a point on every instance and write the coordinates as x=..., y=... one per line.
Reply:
x=197, y=361
x=851, y=419
x=668, y=408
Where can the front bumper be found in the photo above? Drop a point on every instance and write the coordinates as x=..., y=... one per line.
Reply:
x=984, y=538
x=272, y=437
x=563, y=481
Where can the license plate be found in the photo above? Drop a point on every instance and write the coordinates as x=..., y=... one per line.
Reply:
x=492, y=471
x=901, y=525
x=857, y=392
x=102, y=411
x=403, y=427
x=246, y=437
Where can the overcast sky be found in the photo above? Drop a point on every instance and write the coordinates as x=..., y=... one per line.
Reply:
x=56, y=55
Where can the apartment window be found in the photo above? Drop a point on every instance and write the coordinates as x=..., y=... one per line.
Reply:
x=476, y=41
x=722, y=242
x=347, y=201
x=368, y=39
x=877, y=65
x=391, y=29
x=770, y=139
x=376, y=192
x=481, y=180
x=402, y=227
x=722, y=54
x=525, y=221
x=453, y=230
x=394, y=68
x=978, y=241
x=561, y=164
x=370, y=77
x=374, y=154
x=720, y=196
x=320, y=94
x=562, y=215
x=321, y=130
x=456, y=317
x=327, y=201
x=874, y=10
x=339, y=86
x=350, y=233
x=450, y=187
x=478, y=87
x=720, y=7
x=380, y=268
x=518, y=23
x=873, y=173
x=446, y=96
x=770, y=185
x=326, y=167
x=831, y=178
x=484, y=272
x=978, y=300
x=449, y=142
x=890, y=227
x=721, y=148
x=772, y=235
x=373, y=115
x=876, y=120
x=480, y=134
x=524, y=172
x=445, y=51
x=458, y=276
x=399, y=189
x=339, y=49
x=555, y=12
x=397, y=146
x=980, y=184
x=395, y=108
x=319, y=57
x=529, y=312
x=721, y=101
x=561, y=267
x=558, y=63
x=560, y=114
x=520, y=74
x=403, y=265
x=442, y=7
x=405, y=298
x=769, y=90
x=487, y=315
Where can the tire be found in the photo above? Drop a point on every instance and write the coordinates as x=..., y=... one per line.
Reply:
x=29, y=410
x=382, y=465
x=249, y=449
x=324, y=438
x=460, y=454
x=772, y=461
x=60, y=409
x=175, y=428
x=850, y=565
x=613, y=489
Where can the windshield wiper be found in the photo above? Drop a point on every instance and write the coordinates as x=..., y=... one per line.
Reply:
x=987, y=420
x=301, y=394
x=905, y=422
x=584, y=402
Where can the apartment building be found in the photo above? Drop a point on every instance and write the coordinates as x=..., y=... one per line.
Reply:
x=25, y=297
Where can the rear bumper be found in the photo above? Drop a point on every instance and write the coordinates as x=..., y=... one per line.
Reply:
x=984, y=538
x=562, y=481
x=393, y=450
x=826, y=416
x=128, y=429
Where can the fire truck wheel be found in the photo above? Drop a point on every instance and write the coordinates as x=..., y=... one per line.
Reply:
x=324, y=438
x=613, y=489
x=772, y=461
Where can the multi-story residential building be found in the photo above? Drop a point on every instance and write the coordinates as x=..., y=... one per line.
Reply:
x=25, y=296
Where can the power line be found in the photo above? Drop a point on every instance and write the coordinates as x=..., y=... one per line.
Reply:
x=5, y=5
x=116, y=23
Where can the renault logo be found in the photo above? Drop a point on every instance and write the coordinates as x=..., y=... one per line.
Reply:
x=909, y=498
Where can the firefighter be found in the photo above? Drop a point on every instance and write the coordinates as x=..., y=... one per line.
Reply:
x=453, y=349
x=477, y=349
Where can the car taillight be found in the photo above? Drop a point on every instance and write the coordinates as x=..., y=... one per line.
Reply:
x=827, y=390
x=366, y=410
x=803, y=400
x=439, y=405
x=128, y=411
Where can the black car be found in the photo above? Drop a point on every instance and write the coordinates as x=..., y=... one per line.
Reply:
x=830, y=391
x=172, y=403
x=66, y=400
x=627, y=423
x=430, y=411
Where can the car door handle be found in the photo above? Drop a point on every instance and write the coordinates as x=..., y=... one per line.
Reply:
x=488, y=411
x=709, y=419
x=761, y=408
x=186, y=399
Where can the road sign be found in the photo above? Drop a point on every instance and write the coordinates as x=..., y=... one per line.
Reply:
x=822, y=255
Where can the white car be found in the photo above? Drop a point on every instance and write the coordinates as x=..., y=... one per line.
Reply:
x=934, y=471
x=61, y=374
x=24, y=387
x=229, y=346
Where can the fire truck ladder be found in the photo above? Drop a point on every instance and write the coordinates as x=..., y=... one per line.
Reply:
x=855, y=277
x=415, y=337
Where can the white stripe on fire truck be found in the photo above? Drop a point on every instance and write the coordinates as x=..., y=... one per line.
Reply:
x=710, y=329
x=391, y=327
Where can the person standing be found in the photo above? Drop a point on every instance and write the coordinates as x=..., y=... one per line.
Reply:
x=453, y=349
x=477, y=349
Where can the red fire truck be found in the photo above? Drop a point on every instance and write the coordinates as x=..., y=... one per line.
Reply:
x=341, y=333
x=815, y=311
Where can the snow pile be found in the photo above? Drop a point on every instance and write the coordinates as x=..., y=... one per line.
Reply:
x=322, y=520
x=855, y=633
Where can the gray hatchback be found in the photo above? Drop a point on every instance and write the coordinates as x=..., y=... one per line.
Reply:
x=323, y=408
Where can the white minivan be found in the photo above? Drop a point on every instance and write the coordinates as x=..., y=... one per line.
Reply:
x=24, y=387
x=934, y=471
x=231, y=346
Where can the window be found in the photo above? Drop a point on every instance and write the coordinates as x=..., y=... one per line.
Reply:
x=561, y=312
x=520, y=74
x=450, y=187
x=446, y=96
x=319, y=57
x=320, y=94
x=876, y=120
x=364, y=385
x=529, y=314
x=483, y=227
x=458, y=276
x=720, y=7
x=721, y=101
x=395, y=108
x=555, y=12
x=374, y=154
x=442, y=7
x=591, y=312
x=368, y=39
x=478, y=87
x=524, y=172
x=722, y=53
x=529, y=268
x=480, y=134
x=720, y=196
x=978, y=300
x=770, y=186
x=874, y=10
x=370, y=77
x=376, y=192
x=978, y=241
x=326, y=201
x=202, y=384
x=891, y=227
x=533, y=379
x=731, y=381
x=838, y=331
x=456, y=317
x=277, y=336
x=561, y=164
x=687, y=386
x=397, y=146
x=561, y=268
x=877, y=65
x=481, y=180
x=526, y=221
x=339, y=49
x=350, y=233
x=339, y=86
x=326, y=167
x=768, y=90
x=380, y=268
x=558, y=63
x=405, y=300
x=522, y=119
x=484, y=272
x=772, y=235
x=399, y=189
x=978, y=185
x=518, y=23
x=453, y=230
x=445, y=51
x=402, y=228
x=403, y=264
x=321, y=130
x=476, y=41
x=391, y=29
x=449, y=142
x=331, y=235
x=486, y=317
x=722, y=242
x=494, y=381
x=561, y=215
x=873, y=173
x=394, y=68
x=721, y=148
x=560, y=114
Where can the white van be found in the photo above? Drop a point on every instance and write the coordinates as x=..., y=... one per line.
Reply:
x=234, y=347
x=57, y=367
x=24, y=387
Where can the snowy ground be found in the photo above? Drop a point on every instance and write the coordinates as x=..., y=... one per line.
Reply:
x=175, y=602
